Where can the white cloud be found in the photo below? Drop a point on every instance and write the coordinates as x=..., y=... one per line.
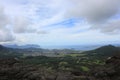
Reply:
x=111, y=27
x=94, y=11
x=5, y=34
x=39, y=16
x=98, y=13
x=22, y=25
x=4, y=21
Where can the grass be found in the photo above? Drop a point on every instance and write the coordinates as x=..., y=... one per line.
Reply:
x=72, y=55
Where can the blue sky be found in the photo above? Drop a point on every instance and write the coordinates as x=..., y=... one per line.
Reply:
x=59, y=22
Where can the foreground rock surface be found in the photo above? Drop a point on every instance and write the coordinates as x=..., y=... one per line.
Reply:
x=13, y=69
x=110, y=71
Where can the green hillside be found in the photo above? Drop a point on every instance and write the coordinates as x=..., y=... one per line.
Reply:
x=8, y=52
x=104, y=51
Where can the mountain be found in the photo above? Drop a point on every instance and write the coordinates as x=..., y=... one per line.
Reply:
x=1, y=47
x=22, y=46
x=104, y=51
x=8, y=52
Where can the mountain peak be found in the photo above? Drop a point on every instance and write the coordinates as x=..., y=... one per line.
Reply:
x=106, y=51
x=1, y=47
x=23, y=46
x=109, y=47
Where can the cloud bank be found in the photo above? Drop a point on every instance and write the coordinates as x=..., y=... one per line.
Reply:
x=96, y=12
x=5, y=34
x=11, y=26
x=22, y=25
x=112, y=27
x=69, y=19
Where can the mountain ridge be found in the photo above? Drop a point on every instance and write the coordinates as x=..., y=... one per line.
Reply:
x=107, y=50
x=22, y=46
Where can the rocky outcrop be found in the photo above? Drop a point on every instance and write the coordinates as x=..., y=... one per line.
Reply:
x=110, y=71
x=12, y=69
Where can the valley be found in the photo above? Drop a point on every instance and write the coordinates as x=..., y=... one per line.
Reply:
x=67, y=64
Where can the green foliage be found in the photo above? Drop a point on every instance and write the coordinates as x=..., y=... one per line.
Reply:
x=84, y=68
x=63, y=64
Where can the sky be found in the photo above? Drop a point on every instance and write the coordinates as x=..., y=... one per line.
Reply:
x=59, y=22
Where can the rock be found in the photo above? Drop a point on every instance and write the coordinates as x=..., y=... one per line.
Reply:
x=110, y=71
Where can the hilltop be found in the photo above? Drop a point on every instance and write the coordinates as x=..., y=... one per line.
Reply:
x=104, y=51
x=8, y=52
